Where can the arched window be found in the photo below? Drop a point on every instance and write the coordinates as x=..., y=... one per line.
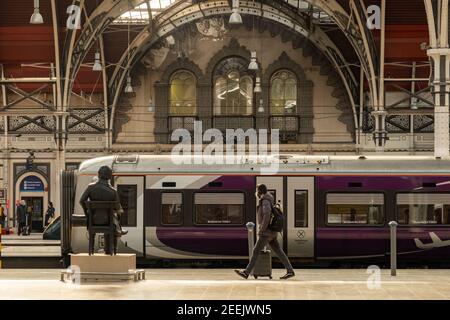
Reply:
x=233, y=88
x=183, y=94
x=283, y=93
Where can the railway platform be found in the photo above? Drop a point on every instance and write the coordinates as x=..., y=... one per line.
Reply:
x=222, y=284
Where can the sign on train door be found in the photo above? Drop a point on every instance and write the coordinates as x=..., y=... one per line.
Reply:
x=300, y=216
x=131, y=192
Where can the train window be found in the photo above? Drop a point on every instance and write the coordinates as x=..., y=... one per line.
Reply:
x=422, y=208
x=219, y=208
x=355, y=208
x=171, y=208
x=128, y=201
x=301, y=208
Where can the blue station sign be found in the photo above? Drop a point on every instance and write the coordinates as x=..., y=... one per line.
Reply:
x=31, y=184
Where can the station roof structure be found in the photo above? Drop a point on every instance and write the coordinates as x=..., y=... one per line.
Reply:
x=25, y=48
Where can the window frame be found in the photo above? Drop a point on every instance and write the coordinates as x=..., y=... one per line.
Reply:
x=169, y=100
x=135, y=187
x=218, y=225
x=284, y=114
x=161, y=207
x=409, y=225
x=353, y=225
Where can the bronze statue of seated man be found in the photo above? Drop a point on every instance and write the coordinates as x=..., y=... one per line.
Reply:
x=103, y=191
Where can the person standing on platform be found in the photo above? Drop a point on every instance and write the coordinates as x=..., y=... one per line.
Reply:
x=21, y=216
x=50, y=213
x=2, y=216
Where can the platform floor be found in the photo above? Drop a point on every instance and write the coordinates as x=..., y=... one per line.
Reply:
x=32, y=246
x=222, y=284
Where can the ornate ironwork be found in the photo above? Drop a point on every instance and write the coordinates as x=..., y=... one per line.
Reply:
x=86, y=121
x=398, y=123
x=31, y=125
x=424, y=124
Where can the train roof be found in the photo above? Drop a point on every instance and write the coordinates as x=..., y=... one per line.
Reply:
x=281, y=164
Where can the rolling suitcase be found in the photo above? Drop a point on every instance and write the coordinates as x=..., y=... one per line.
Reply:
x=263, y=267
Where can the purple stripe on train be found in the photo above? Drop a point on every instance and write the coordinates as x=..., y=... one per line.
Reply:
x=364, y=242
x=212, y=241
x=383, y=183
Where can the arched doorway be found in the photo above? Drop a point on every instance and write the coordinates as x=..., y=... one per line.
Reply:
x=32, y=187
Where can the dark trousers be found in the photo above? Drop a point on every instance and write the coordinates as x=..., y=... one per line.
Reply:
x=275, y=246
x=109, y=250
x=47, y=218
x=21, y=226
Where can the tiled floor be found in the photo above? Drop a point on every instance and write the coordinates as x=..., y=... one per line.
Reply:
x=224, y=284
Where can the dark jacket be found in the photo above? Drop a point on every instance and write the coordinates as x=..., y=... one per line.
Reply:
x=101, y=191
x=51, y=212
x=264, y=211
x=22, y=213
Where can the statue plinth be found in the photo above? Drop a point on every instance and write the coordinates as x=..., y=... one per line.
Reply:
x=102, y=263
x=102, y=267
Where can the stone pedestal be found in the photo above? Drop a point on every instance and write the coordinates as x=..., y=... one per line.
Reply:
x=101, y=263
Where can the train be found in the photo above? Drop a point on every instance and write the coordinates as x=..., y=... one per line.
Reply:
x=336, y=207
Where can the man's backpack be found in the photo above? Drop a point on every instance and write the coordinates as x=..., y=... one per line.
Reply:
x=276, y=219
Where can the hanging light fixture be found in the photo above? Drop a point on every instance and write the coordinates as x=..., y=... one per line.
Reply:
x=253, y=63
x=261, y=106
x=235, y=17
x=129, y=87
x=97, y=64
x=258, y=85
x=36, y=17
x=151, y=106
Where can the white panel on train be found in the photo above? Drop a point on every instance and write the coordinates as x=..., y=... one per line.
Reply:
x=181, y=181
x=300, y=216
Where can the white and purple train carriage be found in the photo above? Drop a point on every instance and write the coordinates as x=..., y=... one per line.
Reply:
x=336, y=207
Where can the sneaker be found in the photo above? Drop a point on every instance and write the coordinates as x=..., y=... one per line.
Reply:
x=288, y=275
x=242, y=274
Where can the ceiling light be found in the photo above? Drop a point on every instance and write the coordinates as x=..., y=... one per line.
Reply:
x=129, y=87
x=261, y=106
x=253, y=64
x=36, y=17
x=235, y=17
x=258, y=85
x=97, y=64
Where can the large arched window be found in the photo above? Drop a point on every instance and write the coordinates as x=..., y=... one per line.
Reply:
x=183, y=94
x=283, y=93
x=233, y=88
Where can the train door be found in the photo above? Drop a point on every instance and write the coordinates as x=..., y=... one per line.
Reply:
x=300, y=216
x=131, y=192
x=275, y=187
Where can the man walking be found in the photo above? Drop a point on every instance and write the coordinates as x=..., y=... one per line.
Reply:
x=266, y=236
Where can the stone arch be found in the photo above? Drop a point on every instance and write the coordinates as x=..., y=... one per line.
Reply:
x=233, y=49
